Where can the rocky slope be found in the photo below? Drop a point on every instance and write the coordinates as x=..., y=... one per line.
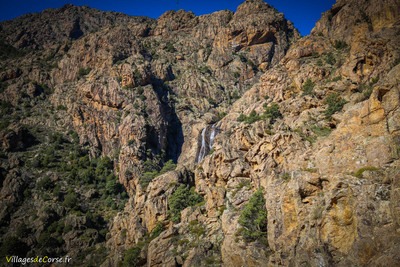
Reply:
x=302, y=137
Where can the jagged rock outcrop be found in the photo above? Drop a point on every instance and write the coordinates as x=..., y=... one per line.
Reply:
x=317, y=190
x=312, y=122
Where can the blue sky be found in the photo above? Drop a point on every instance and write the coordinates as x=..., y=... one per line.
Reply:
x=303, y=13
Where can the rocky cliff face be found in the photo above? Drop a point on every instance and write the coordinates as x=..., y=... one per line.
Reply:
x=305, y=137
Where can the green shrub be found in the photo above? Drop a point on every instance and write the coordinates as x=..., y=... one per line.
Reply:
x=241, y=117
x=139, y=90
x=48, y=158
x=196, y=229
x=182, y=198
x=272, y=112
x=336, y=79
x=128, y=86
x=8, y=51
x=157, y=230
x=75, y=137
x=285, y=176
x=104, y=167
x=221, y=115
x=168, y=166
x=71, y=200
x=205, y=70
x=253, y=219
x=330, y=59
x=339, y=44
x=61, y=107
x=253, y=117
x=321, y=131
x=150, y=165
x=308, y=87
x=45, y=240
x=12, y=246
x=84, y=161
x=3, y=87
x=132, y=257
x=365, y=90
x=146, y=178
x=4, y=123
x=151, y=171
x=83, y=72
x=335, y=104
x=113, y=187
x=45, y=183
x=169, y=47
x=5, y=108
x=359, y=172
x=86, y=175
x=142, y=97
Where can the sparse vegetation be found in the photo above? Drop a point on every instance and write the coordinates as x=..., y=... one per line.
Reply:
x=339, y=44
x=205, y=69
x=359, y=172
x=8, y=51
x=253, y=117
x=157, y=230
x=221, y=115
x=285, y=176
x=152, y=172
x=308, y=87
x=366, y=89
x=271, y=112
x=169, y=47
x=62, y=191
x=335, y=104
x=5, y=108
x=61, y=107
x=243, y=184
x=196, y=229
x=321, y=131
x=83, y=72
x=253, y=219
x=182, y=198
x=330, y=59
x=3, y=86
x=132, y=257
x=128, y=86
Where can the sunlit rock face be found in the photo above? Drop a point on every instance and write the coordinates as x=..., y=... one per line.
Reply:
x=192, y=115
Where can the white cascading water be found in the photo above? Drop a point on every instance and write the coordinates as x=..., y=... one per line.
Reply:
x=207, y=139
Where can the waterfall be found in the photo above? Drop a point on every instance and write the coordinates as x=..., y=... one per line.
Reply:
x=207, y=139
